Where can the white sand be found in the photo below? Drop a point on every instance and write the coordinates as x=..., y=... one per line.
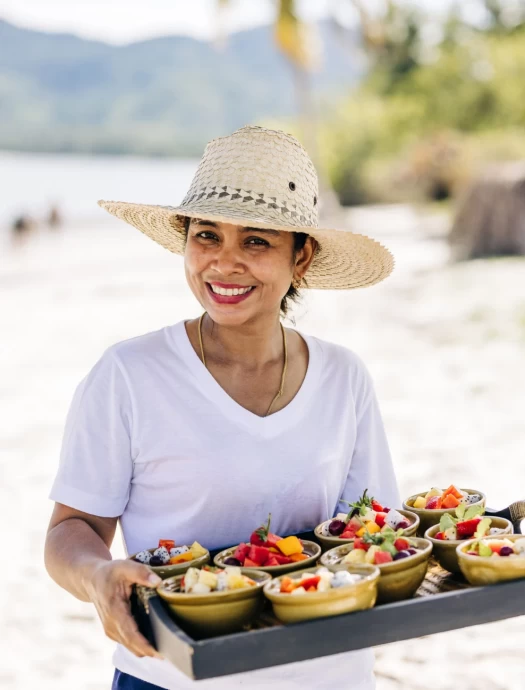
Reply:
x=445, y=344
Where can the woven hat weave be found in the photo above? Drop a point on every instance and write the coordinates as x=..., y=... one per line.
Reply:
x=263, y=178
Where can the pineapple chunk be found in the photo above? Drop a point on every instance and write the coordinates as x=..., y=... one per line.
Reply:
x=298, y=590
x=433, y=492
x=355, y=556
x=236, y=581
x=419, y=503
x=197, y=550
x=208, y=578
x=369, y=516
x=371, y=553
x=201, y=588
x=289, y=546
x=190, y=579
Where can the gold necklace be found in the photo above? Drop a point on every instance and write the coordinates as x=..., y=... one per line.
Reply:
x=285, y=365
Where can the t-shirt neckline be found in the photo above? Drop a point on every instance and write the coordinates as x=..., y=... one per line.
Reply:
x=227, y=405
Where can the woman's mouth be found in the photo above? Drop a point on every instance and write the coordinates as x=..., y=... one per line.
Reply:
x=229, y=294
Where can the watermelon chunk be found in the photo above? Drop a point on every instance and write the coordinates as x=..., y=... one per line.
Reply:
x=382, y=557
x=250, y=564
x=259, y=554
x=282, y=559
x=272, y=561
x=241, y=552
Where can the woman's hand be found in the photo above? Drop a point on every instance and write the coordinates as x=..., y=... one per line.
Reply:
x=109, y=589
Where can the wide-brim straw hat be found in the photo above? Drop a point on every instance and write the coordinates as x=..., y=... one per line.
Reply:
x=263, y=178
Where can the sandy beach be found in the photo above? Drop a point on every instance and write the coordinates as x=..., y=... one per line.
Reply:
x=445, y=345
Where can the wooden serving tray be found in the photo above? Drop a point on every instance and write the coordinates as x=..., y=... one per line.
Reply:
x=443, y=602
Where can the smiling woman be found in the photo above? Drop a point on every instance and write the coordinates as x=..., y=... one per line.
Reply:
x=184, y=432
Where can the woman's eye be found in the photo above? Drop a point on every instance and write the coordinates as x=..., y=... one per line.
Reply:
x=257, y=241
x=206, y=235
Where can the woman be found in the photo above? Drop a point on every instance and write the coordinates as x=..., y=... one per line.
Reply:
x=199, y=430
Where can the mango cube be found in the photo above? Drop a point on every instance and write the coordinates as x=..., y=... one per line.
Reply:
x=289, y=546
x=360, y=532
x=372, y=527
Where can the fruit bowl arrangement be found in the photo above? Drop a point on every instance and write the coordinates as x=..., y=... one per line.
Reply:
x=320, y=592
x=167, y=559
x=365, y=515
x=467, y=523
x=429, y=506
x=270, y=553
x=493, y=559
x=402, y=561
x=214, y=601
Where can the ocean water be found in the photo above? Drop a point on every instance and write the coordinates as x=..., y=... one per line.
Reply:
x=31, y=183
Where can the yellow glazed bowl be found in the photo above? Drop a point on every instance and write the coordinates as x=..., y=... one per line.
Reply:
x=399, y=579
x=445, y=551
x=355, y=597
x=165, y=571
x=328, y=542
x=310, y=549
x=216, y=613
x=481, y=571
x=427, y=518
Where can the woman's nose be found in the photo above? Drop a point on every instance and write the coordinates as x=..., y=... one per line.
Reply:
x=227, y=261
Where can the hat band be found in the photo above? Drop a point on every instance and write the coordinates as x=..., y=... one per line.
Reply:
x=244, y=197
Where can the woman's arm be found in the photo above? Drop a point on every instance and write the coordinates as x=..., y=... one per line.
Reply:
x=77, y=557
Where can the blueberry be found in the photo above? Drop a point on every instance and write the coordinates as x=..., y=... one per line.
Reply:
x=506, y=551
x=412, y=552
x=386, y=510
x=231, y=561
x=156, y=561
x=400, y=555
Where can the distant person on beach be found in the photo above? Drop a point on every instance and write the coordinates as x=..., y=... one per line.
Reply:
x=54, y=219
x=22, y=227
x=197, y=431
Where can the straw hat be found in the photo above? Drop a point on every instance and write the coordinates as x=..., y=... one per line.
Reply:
x=263, y=178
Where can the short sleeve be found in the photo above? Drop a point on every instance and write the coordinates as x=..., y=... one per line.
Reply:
x=95, y=469
x=371, y=466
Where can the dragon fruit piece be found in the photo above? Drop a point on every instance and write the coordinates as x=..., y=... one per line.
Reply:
x=143, y=557
x=177, y=550
x=162, y=553
x=470, y=499
x=395, y=519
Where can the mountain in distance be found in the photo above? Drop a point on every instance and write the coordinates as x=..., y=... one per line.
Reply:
x=163, y=96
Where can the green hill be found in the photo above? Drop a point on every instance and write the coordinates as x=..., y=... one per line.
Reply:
x=163, y=96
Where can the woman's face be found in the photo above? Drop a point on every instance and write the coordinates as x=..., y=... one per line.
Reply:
x=239, y=273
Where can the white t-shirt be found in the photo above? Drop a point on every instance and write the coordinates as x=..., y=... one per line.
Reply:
x=151, y=437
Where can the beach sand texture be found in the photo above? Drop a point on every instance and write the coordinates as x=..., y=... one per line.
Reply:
x=445, y=345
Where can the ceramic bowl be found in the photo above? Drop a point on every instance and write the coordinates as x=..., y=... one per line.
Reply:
x=445, y=551
x=216, y=613
x=399, y=579
x=355, y=597
x=165, y=571
x=328, y=542
x=480, y=571
x=311, y=549
x=427, y=518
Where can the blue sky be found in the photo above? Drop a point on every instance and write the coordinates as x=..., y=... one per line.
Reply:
x=121, y=21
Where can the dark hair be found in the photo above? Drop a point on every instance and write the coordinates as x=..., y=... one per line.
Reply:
x=292, y=294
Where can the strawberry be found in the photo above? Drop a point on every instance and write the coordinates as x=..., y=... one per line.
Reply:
x=263, y=537
x=434, y=503
x=167, y=543
x=467, y=528
x=380, y=518
x=440, y=535
x=377, y=506
x=401, y=544
x=360, y=544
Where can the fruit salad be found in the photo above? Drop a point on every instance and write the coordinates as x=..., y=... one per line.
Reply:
x=320, y=580
x=382, y=547
x=365, y=515
x=211, y=579
x=468, y=523
x=168, y=554
x=266, y=549
x=437, y=499
x=497, y=548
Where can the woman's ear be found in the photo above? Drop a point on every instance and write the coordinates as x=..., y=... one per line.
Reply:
x=304, y=257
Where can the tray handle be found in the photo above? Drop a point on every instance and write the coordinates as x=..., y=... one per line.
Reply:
x=515, y=513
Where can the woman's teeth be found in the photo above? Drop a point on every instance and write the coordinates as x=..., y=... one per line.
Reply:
x=229, y=292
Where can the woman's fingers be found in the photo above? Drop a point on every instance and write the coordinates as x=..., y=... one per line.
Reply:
x=128, y=633
x=137, y=574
